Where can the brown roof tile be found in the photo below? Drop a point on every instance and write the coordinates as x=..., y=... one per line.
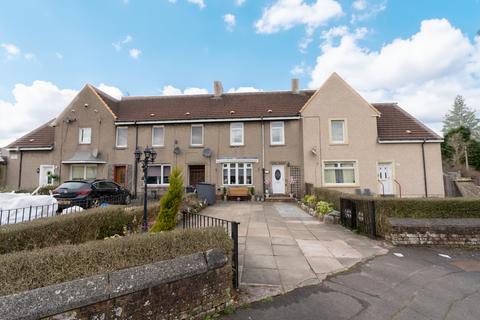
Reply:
x=207, y=106
x=395, y=123
x=41, y=137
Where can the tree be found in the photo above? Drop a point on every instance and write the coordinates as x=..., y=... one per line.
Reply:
x=456, y=142
x=170, y=203
x=461, y=116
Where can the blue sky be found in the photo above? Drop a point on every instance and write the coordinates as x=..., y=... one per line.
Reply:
x=49, y=49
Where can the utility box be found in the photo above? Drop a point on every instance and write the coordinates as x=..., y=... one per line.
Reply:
x=206, y=191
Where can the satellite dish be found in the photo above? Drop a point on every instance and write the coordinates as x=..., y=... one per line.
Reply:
x=207, y=152
x=176, y=150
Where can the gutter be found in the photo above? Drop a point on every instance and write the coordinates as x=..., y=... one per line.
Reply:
x=263, y=154
x=117, y=123
x=409, y=141
x=31, y=149
x=20, y=169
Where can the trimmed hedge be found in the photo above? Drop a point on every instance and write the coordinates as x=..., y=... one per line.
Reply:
x=27, y=270
x=74, y=228
x=329, y=195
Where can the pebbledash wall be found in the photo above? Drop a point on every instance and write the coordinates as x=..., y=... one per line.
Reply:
x=188, y=287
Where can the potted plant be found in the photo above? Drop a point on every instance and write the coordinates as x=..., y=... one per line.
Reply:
x=291, y=182
x=251, y=190
x=224, y=193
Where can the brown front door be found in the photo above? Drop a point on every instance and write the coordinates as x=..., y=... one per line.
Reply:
x=197, y=175
x=120, y=175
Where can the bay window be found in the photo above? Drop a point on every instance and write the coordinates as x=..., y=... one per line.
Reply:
x=237, y=173
x=340, y=172
x=159, y=174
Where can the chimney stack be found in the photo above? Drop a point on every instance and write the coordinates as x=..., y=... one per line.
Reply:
x=295, y=86
x=217, y=89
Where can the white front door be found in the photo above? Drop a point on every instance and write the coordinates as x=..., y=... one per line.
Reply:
x=278, y=179
x=43, y=176
x=385, y=178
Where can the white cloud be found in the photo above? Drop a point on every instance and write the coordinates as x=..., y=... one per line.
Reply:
x=134, y=53
x=359, y=5
x=300, y=70
x=230, y=21
x=59, y=55
x=199, y=3
x=368, y=11
x=170, y=90
x=33, y=105
x=111, y=90
x=119, y=44
x=286, y=14
x=239, y=3
x=423, y=72
x=10, y=49
x=29, y=56
x=243, y=89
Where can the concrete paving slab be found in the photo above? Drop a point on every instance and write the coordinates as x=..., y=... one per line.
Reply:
x=259, y=250
x=283, y=241
x=292, y=262
x=313, y=248
x=292, y=280
x=286, y=250
x=324, y=264
x=260, y=261
x=261, y=276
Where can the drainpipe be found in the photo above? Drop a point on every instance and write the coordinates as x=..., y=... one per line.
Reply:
x=20, y=169
x=135, y=164
x=424, y=168
x=263, y=155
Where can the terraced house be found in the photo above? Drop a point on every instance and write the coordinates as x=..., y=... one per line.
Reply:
x=275, y=141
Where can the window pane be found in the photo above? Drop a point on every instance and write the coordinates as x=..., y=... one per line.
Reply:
x=166, y=174
x=154, y=174
x=348, y=176
x=337, y=130
x=91, y=172
x=225, y=175
x=197, y=135
x=241, y=174
x=85, y=135
x=233, y=170
x=122, y=137
x=77, y=172
x=249, y=175
x=277, y=132
x=158, y=136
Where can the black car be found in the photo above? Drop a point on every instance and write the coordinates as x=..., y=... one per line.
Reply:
x=90, y=193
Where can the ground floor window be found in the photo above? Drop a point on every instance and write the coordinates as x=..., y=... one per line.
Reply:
x=237, y=173
x=83, y=172
x=159, y=174
x=340, y=172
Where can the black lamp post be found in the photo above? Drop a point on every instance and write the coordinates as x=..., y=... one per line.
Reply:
x=149, y=156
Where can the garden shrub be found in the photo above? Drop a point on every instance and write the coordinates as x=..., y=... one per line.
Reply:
x=329, y=195
x=170, y=203
x=322, y=208
x=311, y=200
x=27, y=270
x=93, y=224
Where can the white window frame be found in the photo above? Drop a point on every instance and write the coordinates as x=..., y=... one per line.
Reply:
x=162, y=166
x=232, y=129
x=153, y=136
x=84, y=170
x=191, y=135
x=233, y=166
x=345, y=131
x=116, y=139
x=282, y=142
x=80, y=136
x=355, y=174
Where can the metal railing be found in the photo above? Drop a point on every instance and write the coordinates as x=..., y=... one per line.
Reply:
x=357, y=214
x=63, y=206
x=195, y=221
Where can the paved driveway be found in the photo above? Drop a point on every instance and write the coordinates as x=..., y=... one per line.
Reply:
x=421, y=284
x=282, y=248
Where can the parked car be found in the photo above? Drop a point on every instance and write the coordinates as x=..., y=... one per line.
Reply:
x=89, y=193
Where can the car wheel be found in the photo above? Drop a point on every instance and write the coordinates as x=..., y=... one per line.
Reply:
x=127, y=199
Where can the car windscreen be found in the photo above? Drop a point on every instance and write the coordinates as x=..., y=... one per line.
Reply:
x=73, y=185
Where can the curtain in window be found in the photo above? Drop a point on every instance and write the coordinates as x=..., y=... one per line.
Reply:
x=337, y=131
x=197, y=135
x=122, y=137
x=158, y=136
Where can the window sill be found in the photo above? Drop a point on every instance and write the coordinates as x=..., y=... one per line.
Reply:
x=341, y=185
x=196, y=146
x=121, y=148
x=338, y=143
x=236, y=145
x=277, y=144
x=157, y=185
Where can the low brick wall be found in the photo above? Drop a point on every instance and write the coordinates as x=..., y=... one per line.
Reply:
x=187, y=287
x=445, y=232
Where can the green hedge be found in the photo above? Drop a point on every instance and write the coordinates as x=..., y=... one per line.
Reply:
x=329, y=195
x=73, y=228
x=26, y=270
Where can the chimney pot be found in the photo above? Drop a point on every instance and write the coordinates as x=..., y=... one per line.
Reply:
x=295, y=86
x=217, y=88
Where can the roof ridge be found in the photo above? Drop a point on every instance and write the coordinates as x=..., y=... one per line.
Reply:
x=101, y=92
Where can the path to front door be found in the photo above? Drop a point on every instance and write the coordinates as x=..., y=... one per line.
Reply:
x=283, y=248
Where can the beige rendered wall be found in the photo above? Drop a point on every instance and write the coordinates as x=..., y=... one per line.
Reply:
x=337, y=100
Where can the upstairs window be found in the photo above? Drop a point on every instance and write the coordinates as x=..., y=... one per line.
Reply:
x=338, y=132
x=158, y=136
x=277, y=132
x=236, y=134
x=197, y=135
x=122, y=137
x=85, y=135
x=159, y=174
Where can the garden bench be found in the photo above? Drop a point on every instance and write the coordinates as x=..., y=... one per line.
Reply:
x=238, y=192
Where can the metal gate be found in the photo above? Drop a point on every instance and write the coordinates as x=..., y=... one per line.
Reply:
x=358, y=214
